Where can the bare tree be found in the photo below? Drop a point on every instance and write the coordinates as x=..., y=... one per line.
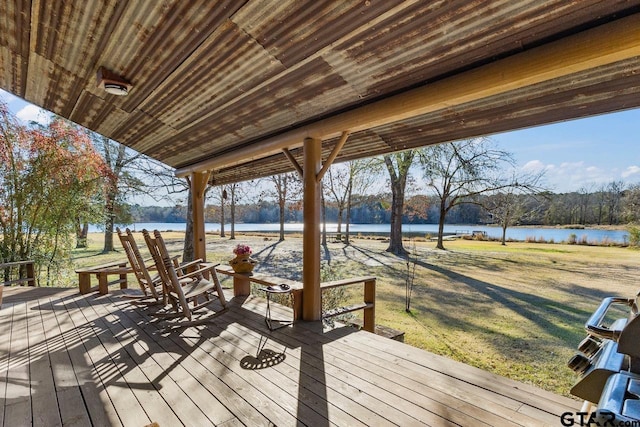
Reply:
x=613, y=196
x=458, y=171
x=236, y=190
x=517, y=201
x=221, y=197
x=398, y=165
x=585, y=194
x=121, y=181
x=631, y=204
x=339, y=187
x=161, y=182
x=362, y=175
x=286, y=186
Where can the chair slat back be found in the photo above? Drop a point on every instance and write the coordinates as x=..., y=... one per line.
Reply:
x=169, y=269
x=137, y=262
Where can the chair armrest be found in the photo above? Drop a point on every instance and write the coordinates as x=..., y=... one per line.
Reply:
x=189, y=264
x=199, y=271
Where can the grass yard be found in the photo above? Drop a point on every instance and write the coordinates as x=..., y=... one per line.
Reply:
x=516, y=310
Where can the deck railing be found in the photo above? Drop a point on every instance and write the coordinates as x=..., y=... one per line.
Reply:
x=18, y=272
x=242, y=286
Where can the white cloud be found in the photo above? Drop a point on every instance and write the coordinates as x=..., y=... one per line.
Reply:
x=534, y=166
x=630, y=171
x=33, y=113
x=572, y=176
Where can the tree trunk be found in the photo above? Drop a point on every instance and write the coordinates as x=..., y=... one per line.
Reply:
x=443, y=216
x=82, y=230
x=398, y=180
x=504, y=234
x=108, y=226
x=233, y=212
x=188, y=250
x=281, y=205
x=222, y=217
x=397, y=207
x=348, y=219
x=324, y=216
x=340, y=213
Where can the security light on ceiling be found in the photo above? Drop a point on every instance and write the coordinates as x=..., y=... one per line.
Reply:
x=112, y=83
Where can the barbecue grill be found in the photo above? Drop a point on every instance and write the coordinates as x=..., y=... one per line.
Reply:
x=608, y=362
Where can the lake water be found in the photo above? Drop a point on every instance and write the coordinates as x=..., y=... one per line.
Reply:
x=513, y=233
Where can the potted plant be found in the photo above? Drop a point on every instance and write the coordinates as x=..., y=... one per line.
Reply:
x=242, y=263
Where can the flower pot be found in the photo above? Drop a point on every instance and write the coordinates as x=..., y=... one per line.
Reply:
x=243, y=263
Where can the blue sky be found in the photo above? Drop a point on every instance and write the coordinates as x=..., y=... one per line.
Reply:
x=576, y=154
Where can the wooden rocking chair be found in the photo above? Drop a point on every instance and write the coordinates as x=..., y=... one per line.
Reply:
x=151, y=285
x=183, y=288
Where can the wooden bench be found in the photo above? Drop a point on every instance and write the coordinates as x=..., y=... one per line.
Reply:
x=242, y=286
x=102, y=272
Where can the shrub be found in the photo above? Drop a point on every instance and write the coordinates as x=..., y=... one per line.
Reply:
x=634, y=235
x=573, y=238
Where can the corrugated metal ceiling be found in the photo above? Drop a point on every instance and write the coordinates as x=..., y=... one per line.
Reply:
x=210, y=77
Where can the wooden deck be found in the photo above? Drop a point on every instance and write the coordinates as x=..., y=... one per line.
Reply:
x=70, y=359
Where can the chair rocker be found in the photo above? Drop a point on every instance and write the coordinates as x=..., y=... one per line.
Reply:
x=188, y=287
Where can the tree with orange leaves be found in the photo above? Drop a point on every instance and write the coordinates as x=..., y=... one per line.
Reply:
x=48, y=175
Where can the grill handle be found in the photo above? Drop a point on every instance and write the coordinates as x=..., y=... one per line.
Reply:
x=593, y=325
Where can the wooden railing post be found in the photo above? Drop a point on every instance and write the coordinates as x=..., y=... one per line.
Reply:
x=31, y=274
x=369, y=321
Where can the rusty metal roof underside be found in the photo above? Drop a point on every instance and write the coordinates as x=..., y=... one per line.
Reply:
x=210, y=77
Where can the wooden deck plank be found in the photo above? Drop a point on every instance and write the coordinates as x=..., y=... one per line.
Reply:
x=76, y=385
x=472, y=404
x=383, y=395
x=116, y=364
x=222, y=382
x=518, y=391
x=71, y=405
x=333, y=384
x=267, y=383
x=172, y=399
x=205, y=364
x=286, y=375
x=94, y=367
x=5, y=346
x=17, y=411
x=44, y=402
x=118, y=344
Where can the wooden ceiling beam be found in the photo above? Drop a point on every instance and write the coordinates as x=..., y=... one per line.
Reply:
x=616, y=41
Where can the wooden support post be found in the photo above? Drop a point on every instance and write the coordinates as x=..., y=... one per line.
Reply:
x=241, y=285
x=198, y=183
x=369, y=320
x=311, y=298
x=30, y=274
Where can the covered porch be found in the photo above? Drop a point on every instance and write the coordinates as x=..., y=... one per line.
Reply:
x=71, y=359
x=227, y=92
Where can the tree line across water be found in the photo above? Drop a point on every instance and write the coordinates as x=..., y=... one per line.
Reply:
x=610, y=204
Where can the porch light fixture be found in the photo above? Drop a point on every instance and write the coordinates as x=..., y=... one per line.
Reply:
x=112, y=83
